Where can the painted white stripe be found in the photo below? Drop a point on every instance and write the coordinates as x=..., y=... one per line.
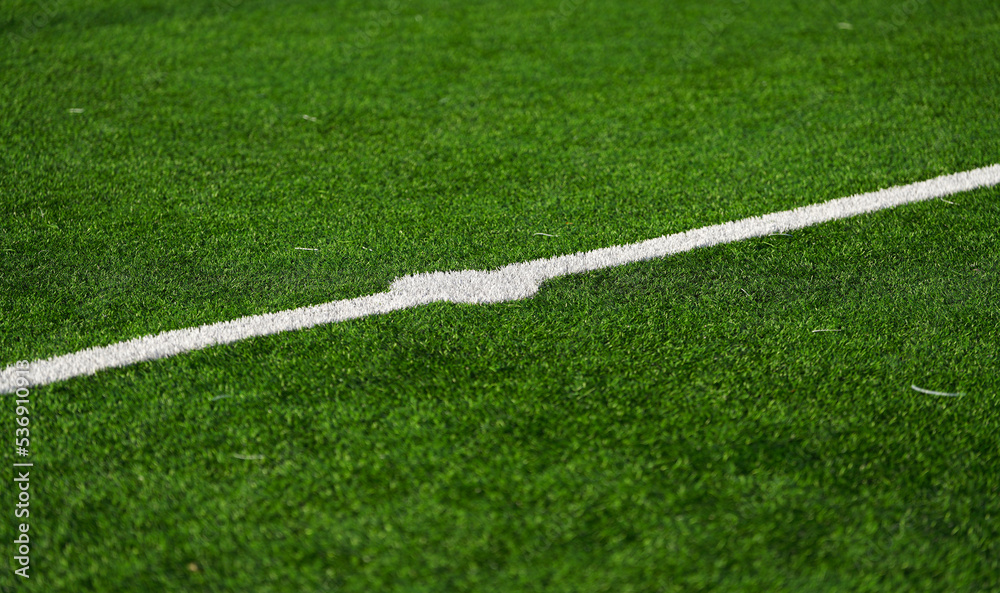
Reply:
x=511, y=282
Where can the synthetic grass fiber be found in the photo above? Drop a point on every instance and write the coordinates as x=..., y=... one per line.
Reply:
x=671, y=425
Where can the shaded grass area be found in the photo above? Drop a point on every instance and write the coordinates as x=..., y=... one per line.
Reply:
x=671, y=425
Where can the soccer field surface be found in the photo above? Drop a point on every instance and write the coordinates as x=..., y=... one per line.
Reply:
x=811, y=410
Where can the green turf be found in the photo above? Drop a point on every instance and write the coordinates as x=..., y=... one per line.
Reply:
x=672, y=425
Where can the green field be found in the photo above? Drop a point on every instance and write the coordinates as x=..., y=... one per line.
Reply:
x=672, y=425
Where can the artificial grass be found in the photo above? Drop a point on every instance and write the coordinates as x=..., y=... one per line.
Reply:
x=669, y=425
x=182, y=189
x=652, y=428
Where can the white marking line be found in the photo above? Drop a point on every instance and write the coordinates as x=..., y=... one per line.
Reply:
x=929, y=392
x=511, y=282
x=307, y=249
